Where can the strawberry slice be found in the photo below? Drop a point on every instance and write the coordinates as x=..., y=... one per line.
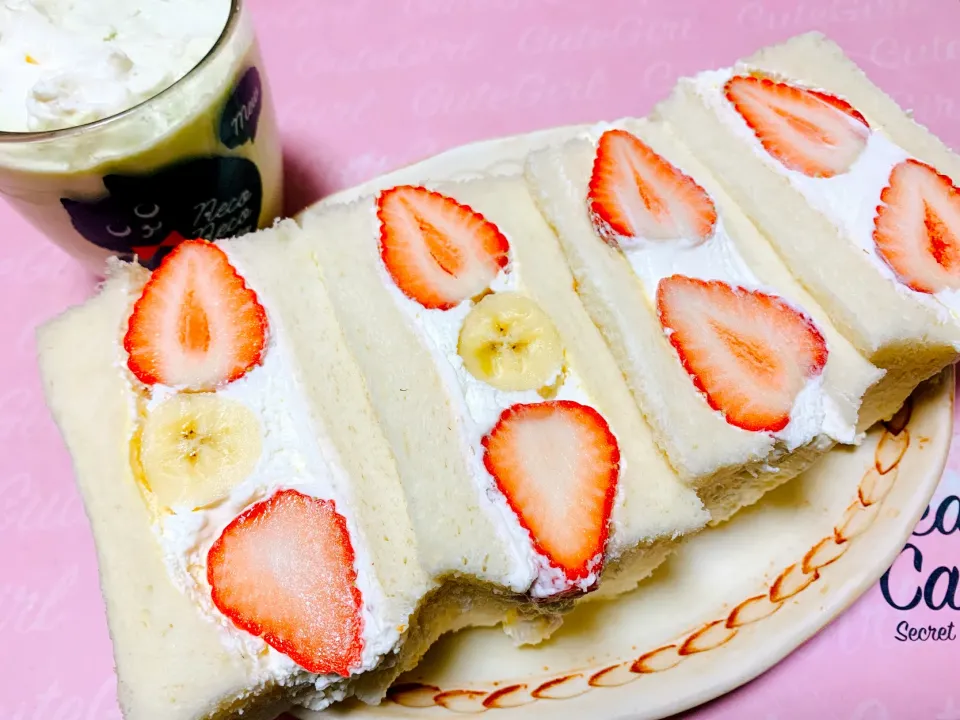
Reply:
x=438, y=251
x=809, y=131
x=636, y=193
x=557, y=464
x=283, y=570
x=917, y=228
x=750, y=353
x=196, y=324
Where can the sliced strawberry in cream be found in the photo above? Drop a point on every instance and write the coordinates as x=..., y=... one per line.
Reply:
x=634, y=192
x=284, y=570
x=750, y=353
x=438, y=252
x=196, y=324
x=917, y=228
x=557, y=463
x=809, y=131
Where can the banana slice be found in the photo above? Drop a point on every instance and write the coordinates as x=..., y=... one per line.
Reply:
x=195, y=447
x=510, y=343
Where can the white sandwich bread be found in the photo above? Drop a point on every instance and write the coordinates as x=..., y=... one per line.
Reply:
x=859, y=199
x=255, y=545
x=307, y=453
x=525, y=464
x=220, y=435
x=741, y=376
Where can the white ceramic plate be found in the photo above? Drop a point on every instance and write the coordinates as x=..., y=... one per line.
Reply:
x=728, y=605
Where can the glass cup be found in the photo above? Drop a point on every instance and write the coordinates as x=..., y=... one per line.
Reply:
x=200, y=159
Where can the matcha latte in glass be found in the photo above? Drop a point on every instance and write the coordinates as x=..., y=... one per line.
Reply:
x=127, y=126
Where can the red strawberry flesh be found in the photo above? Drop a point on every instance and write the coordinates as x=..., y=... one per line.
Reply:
x=284, y=570
x=557, y=464
x=748, y=352
x=636, y=193
x=917, y=228
x=808, y=131
x=437, y=251
x=196, y=324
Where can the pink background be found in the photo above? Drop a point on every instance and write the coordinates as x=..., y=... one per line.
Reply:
x=363, y=86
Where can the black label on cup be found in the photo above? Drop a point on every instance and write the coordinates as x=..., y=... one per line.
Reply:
x=241, y=114
x=147, y=215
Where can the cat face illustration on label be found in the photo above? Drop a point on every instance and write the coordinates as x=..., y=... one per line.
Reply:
x=147, y=215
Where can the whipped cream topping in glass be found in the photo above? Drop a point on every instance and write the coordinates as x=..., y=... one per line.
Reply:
x=127, y=126
x=65, y=63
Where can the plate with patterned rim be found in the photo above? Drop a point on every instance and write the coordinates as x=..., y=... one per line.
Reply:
x=727, y=606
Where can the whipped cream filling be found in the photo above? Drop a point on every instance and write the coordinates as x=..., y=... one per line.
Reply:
x=477, y=408
x=848, y=200
x=65, y=63
x=294, y=455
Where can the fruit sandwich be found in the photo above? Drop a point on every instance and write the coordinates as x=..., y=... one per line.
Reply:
x=308, y=452
x=253, y=544
x=526, y=467
x=740, y=374
x=257, y=546
x=858, y=199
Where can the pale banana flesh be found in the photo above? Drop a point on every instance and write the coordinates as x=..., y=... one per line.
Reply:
x=509, y=342
x=196, y=447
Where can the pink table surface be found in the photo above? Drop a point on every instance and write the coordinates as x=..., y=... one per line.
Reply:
x=363, y=86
